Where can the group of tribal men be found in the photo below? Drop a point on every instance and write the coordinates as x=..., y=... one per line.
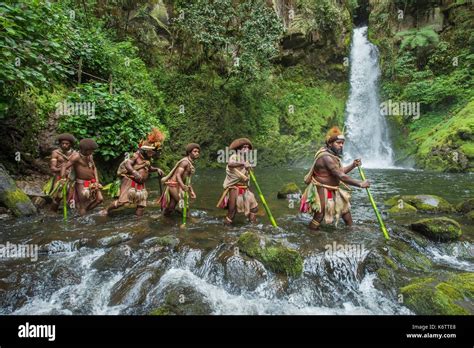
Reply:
x=75, y=175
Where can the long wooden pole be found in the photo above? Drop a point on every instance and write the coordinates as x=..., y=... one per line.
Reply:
x=65, y=201
x=379, y=217
x=262, y=198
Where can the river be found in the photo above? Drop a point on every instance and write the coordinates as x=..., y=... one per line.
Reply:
x=115, y=265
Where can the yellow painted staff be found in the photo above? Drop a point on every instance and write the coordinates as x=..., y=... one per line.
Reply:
x=65, y=201
x=379, y=218
x=264, y=202
x=185, y=205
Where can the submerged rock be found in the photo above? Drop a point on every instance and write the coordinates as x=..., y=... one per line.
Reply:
x=430, y=296
x=438, y=229
x=466, y=206
x=114, y=240
x=290, y=188
x=404, y=255
x=426, y=203
x=116, y=259
x=244, y=274
x=183, y=300
x=163, y=310
x=470, y=215
x=13, y=198
x=275, y=256
x=402, y=209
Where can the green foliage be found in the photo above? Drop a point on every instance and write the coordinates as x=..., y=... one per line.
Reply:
x=119, y=123
x=238, y=39
x=319, y=15
x=35, y=39
x=421, y=41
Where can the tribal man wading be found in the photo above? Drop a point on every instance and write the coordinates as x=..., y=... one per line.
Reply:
x=59, y=158
x=323, y=197
x=87, y=193
x=178, y=180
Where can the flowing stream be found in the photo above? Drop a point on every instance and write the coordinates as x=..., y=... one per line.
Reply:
x=116, y=264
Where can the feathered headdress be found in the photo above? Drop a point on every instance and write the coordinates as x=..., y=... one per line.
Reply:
x=334, y=134
x=153, y=141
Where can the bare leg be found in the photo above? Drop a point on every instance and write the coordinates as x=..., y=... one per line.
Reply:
x=115, y=205
x=98, y=200
x=231, y=206
x=347, y=217
x=140, y=210
x=253, y=215
x=319, y=216
x=174, y=199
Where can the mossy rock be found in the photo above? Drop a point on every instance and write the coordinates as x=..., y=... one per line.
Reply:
x=168, y=241
x=470, y=215
x=466, y=206
x=13, y=198
x=438, y=229
x=182, y=299
x=407, y=257
x=429, y=296
x=275, y=256
x=163, y=310
x=426, y=203
x=405, y=209
x=290, y=188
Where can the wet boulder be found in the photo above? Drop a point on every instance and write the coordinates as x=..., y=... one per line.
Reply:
x=274, y=255
x=440, y=229
x=114, y=240
x=470, y=215
x=116, y=259
x=430, y=296
x=466, y=206
x=181, y=299
x=403, y=255
x=402, y=209
x=168, y=241
x=133, y=288
x=13, y=198
x=288, y=189
x=244, y=274
x=424, y=203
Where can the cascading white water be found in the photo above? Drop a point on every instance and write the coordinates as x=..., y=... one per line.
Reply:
x=366, y=128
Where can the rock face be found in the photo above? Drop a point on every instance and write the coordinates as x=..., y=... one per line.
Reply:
x=425, y=203
x=13, y=198
x=310, y=39
x=438, y=229
x=275, y=256
x=429, y=296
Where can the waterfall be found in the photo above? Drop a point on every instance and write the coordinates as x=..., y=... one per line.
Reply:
x=366, y=128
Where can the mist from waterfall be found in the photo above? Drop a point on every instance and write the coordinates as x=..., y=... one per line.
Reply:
x=366, y=128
